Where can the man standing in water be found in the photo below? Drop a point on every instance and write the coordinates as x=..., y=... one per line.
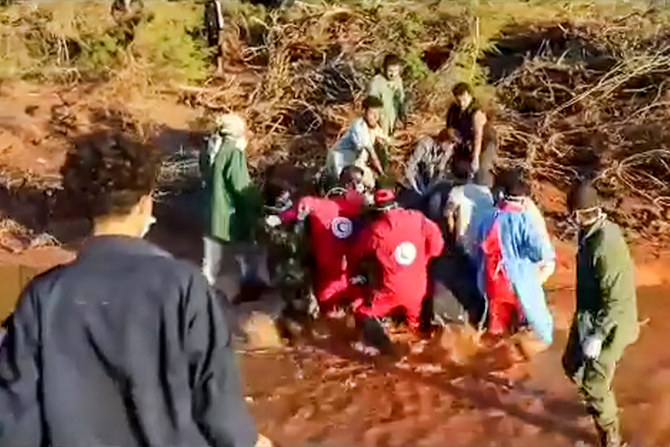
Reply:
x=387, y=87
x=125, y=346
x=605, y=321
x=476, y=148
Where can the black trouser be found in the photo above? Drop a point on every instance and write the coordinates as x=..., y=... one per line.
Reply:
x=456, y=295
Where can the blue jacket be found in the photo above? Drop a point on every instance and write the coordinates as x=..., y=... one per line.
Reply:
x=522, y=247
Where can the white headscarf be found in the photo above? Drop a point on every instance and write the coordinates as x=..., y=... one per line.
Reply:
x=228, y=126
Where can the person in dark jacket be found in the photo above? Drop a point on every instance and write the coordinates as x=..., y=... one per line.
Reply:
x=605, y=320
x=476, y=147
x=125, y=346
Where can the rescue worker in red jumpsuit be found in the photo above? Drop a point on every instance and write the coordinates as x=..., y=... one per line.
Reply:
x=401, y=243
x=332, y=224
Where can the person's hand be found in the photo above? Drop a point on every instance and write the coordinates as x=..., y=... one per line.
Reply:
x=303, y=211
x=262, y=441
x=272, y=220
x=592, y=347
x=474, y=165
x=357, y=280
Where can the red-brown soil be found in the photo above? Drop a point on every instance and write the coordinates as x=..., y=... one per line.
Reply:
x=447, y=391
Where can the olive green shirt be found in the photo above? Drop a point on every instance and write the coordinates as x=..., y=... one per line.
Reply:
x=392, y=95
x=606, y=297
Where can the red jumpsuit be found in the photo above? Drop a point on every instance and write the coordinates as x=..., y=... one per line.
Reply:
x=403, y=243
x=331, y=231
x=504, y=307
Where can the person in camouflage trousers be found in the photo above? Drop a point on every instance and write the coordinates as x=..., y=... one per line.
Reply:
x=605, y=321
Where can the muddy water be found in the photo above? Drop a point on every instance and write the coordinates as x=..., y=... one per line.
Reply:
x=449, y=392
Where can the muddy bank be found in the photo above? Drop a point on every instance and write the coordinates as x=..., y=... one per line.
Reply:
x=322, y=392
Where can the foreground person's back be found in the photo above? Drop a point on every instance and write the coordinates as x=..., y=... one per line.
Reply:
x=125, y=346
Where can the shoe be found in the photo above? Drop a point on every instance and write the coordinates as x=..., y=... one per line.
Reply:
x=374, y=335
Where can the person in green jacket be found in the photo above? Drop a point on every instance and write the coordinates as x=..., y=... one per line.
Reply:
x=605, y=321
x=232, y=202
x=387, y=87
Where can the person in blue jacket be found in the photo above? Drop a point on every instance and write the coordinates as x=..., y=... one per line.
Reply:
x=509, y=250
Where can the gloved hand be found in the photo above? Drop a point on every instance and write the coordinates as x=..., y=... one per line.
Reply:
x=592, y=347
x=303, y=211
x=356, y=280
x=272, y=220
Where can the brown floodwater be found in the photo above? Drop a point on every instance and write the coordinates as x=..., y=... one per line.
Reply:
x=451, y=391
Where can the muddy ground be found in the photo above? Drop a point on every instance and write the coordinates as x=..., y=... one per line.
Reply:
x=445, y=392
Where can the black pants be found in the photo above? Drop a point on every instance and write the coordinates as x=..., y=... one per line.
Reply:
x=456, y=297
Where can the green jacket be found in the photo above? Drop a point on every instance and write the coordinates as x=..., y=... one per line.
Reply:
x=392, y=94
x=232, y=202
x=606, y=298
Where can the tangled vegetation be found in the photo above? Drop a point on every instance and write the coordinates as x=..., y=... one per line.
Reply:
x=576, y=88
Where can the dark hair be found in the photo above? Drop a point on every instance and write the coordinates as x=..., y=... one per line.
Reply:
x=446, y=135
x=390, y=60
x=583, y=196
x=513, y=182
x=348, y=173
x=372, y=102
x=461, y=88
x=108, y=173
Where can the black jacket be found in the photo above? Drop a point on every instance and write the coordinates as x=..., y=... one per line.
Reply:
x=126, y=346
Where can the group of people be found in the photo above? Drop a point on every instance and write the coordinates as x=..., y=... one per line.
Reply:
x=460, y=240
x=128, y=346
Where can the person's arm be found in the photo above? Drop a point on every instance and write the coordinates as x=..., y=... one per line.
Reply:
x=478, y=123
x=534, y=245
x=434, y=239
x=546, y=266
x=246, y=197
x=609, y=267
x=412, y=170
x=374, y=88
x=364, y=142
x=219, y=409
x=401, y=104
x=20, y=420
x=363, y=248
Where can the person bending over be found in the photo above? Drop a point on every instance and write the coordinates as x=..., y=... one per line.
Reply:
x=399, y=244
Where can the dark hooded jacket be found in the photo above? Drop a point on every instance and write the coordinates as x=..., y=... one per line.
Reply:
x=124, y=347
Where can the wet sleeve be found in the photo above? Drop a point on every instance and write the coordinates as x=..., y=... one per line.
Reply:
x=609, y=274
x=434, y=239
x=20, y=421
x=218, y=405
